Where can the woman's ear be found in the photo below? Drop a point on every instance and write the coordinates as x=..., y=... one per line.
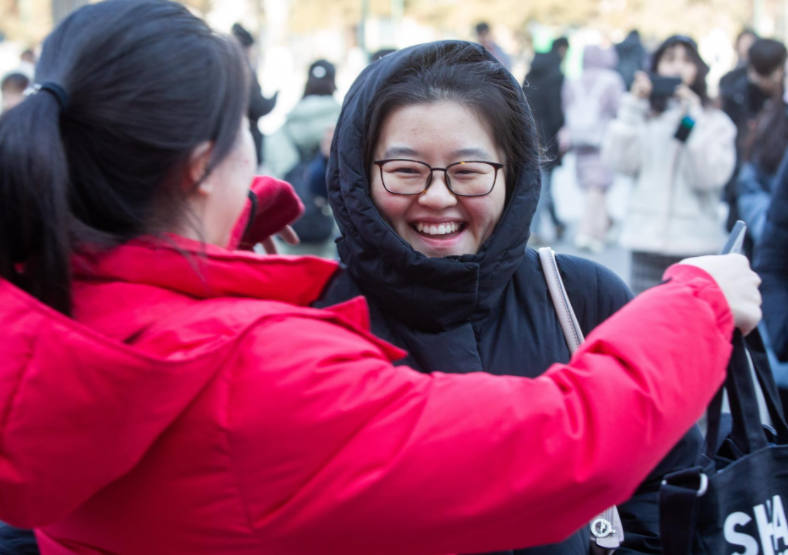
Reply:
x=198, y=166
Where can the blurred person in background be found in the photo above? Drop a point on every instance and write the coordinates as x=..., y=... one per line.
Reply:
x=744, y=99
x=297, y=153
x=764, y=150
x=542, y=87
x=590, y=103
x=681, y=151
x=744, y=42
x=259, y=106
x=316, y=228
x=632, y=57
x=771, y=263
x=440, y=254
x=13, y=87
x=298, y=140
x=485, y=37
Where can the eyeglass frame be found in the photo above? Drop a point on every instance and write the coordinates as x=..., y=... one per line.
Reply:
x=497, y=166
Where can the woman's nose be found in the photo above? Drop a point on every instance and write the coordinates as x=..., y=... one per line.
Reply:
x=438, y=196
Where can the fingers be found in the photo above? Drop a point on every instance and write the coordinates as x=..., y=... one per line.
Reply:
x=289, y=236
x=269, y=245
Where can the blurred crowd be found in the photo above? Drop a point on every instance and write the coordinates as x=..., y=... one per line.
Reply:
x=618, y=120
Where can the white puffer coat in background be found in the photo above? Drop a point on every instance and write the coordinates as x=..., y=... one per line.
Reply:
x=673, y=207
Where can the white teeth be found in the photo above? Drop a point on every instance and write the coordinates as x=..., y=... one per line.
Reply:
x=440, y=229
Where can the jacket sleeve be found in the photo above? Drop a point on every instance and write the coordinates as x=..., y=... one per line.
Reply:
x=711, y=150
x=753, y=199
x=621, y=148
x=331, y=445
x=772, y=265
x=640, y=513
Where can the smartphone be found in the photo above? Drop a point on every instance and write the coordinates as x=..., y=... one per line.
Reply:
x=735, y=241
x=664, y=86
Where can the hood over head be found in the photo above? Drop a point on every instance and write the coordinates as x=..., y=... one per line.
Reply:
x=431, y=294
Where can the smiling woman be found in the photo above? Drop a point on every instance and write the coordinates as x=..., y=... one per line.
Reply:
x=434, y=233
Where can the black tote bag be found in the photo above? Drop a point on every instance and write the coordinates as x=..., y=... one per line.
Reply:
x=734, y=500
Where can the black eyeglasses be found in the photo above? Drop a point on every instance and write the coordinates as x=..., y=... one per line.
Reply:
x=464, y=179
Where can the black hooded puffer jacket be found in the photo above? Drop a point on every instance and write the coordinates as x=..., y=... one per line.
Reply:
x=490, y=311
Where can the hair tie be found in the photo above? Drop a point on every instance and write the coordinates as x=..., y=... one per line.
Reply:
x=55, y=90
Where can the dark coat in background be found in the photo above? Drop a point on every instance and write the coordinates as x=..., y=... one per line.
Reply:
x=542, y=88
x=632, y=57
x=742, y=102
x=490, y=311
x=771, y=262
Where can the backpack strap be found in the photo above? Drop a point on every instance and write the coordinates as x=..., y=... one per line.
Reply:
x=607, y=532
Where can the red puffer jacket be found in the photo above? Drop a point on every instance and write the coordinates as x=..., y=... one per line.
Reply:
x=198, y=406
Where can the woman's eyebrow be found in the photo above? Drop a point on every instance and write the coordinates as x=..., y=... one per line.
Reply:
x=472, y=153
x=396, y=151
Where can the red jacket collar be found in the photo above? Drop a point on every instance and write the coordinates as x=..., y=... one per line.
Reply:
x=206, y=271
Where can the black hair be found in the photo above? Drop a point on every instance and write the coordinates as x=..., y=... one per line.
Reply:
x=560, y=42
x=766, y=56
x=460, y=72
x=659, y=104
x=148, y=82
x=15, y=81
x=482, y=27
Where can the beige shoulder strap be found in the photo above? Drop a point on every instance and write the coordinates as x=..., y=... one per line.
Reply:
x=563, y=308
x=607, y=533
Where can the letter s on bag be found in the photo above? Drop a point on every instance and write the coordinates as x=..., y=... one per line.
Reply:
x=740, y=539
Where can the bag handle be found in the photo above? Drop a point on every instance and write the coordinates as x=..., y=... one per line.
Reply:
x=763, y=373
x=607, y=532
x=747, y=432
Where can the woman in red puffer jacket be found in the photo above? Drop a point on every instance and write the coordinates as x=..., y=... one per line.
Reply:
x=163, y=393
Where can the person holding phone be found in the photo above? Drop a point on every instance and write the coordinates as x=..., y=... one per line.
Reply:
x=681, y=151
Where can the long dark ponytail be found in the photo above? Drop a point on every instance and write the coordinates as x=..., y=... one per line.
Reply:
x=146, y=82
